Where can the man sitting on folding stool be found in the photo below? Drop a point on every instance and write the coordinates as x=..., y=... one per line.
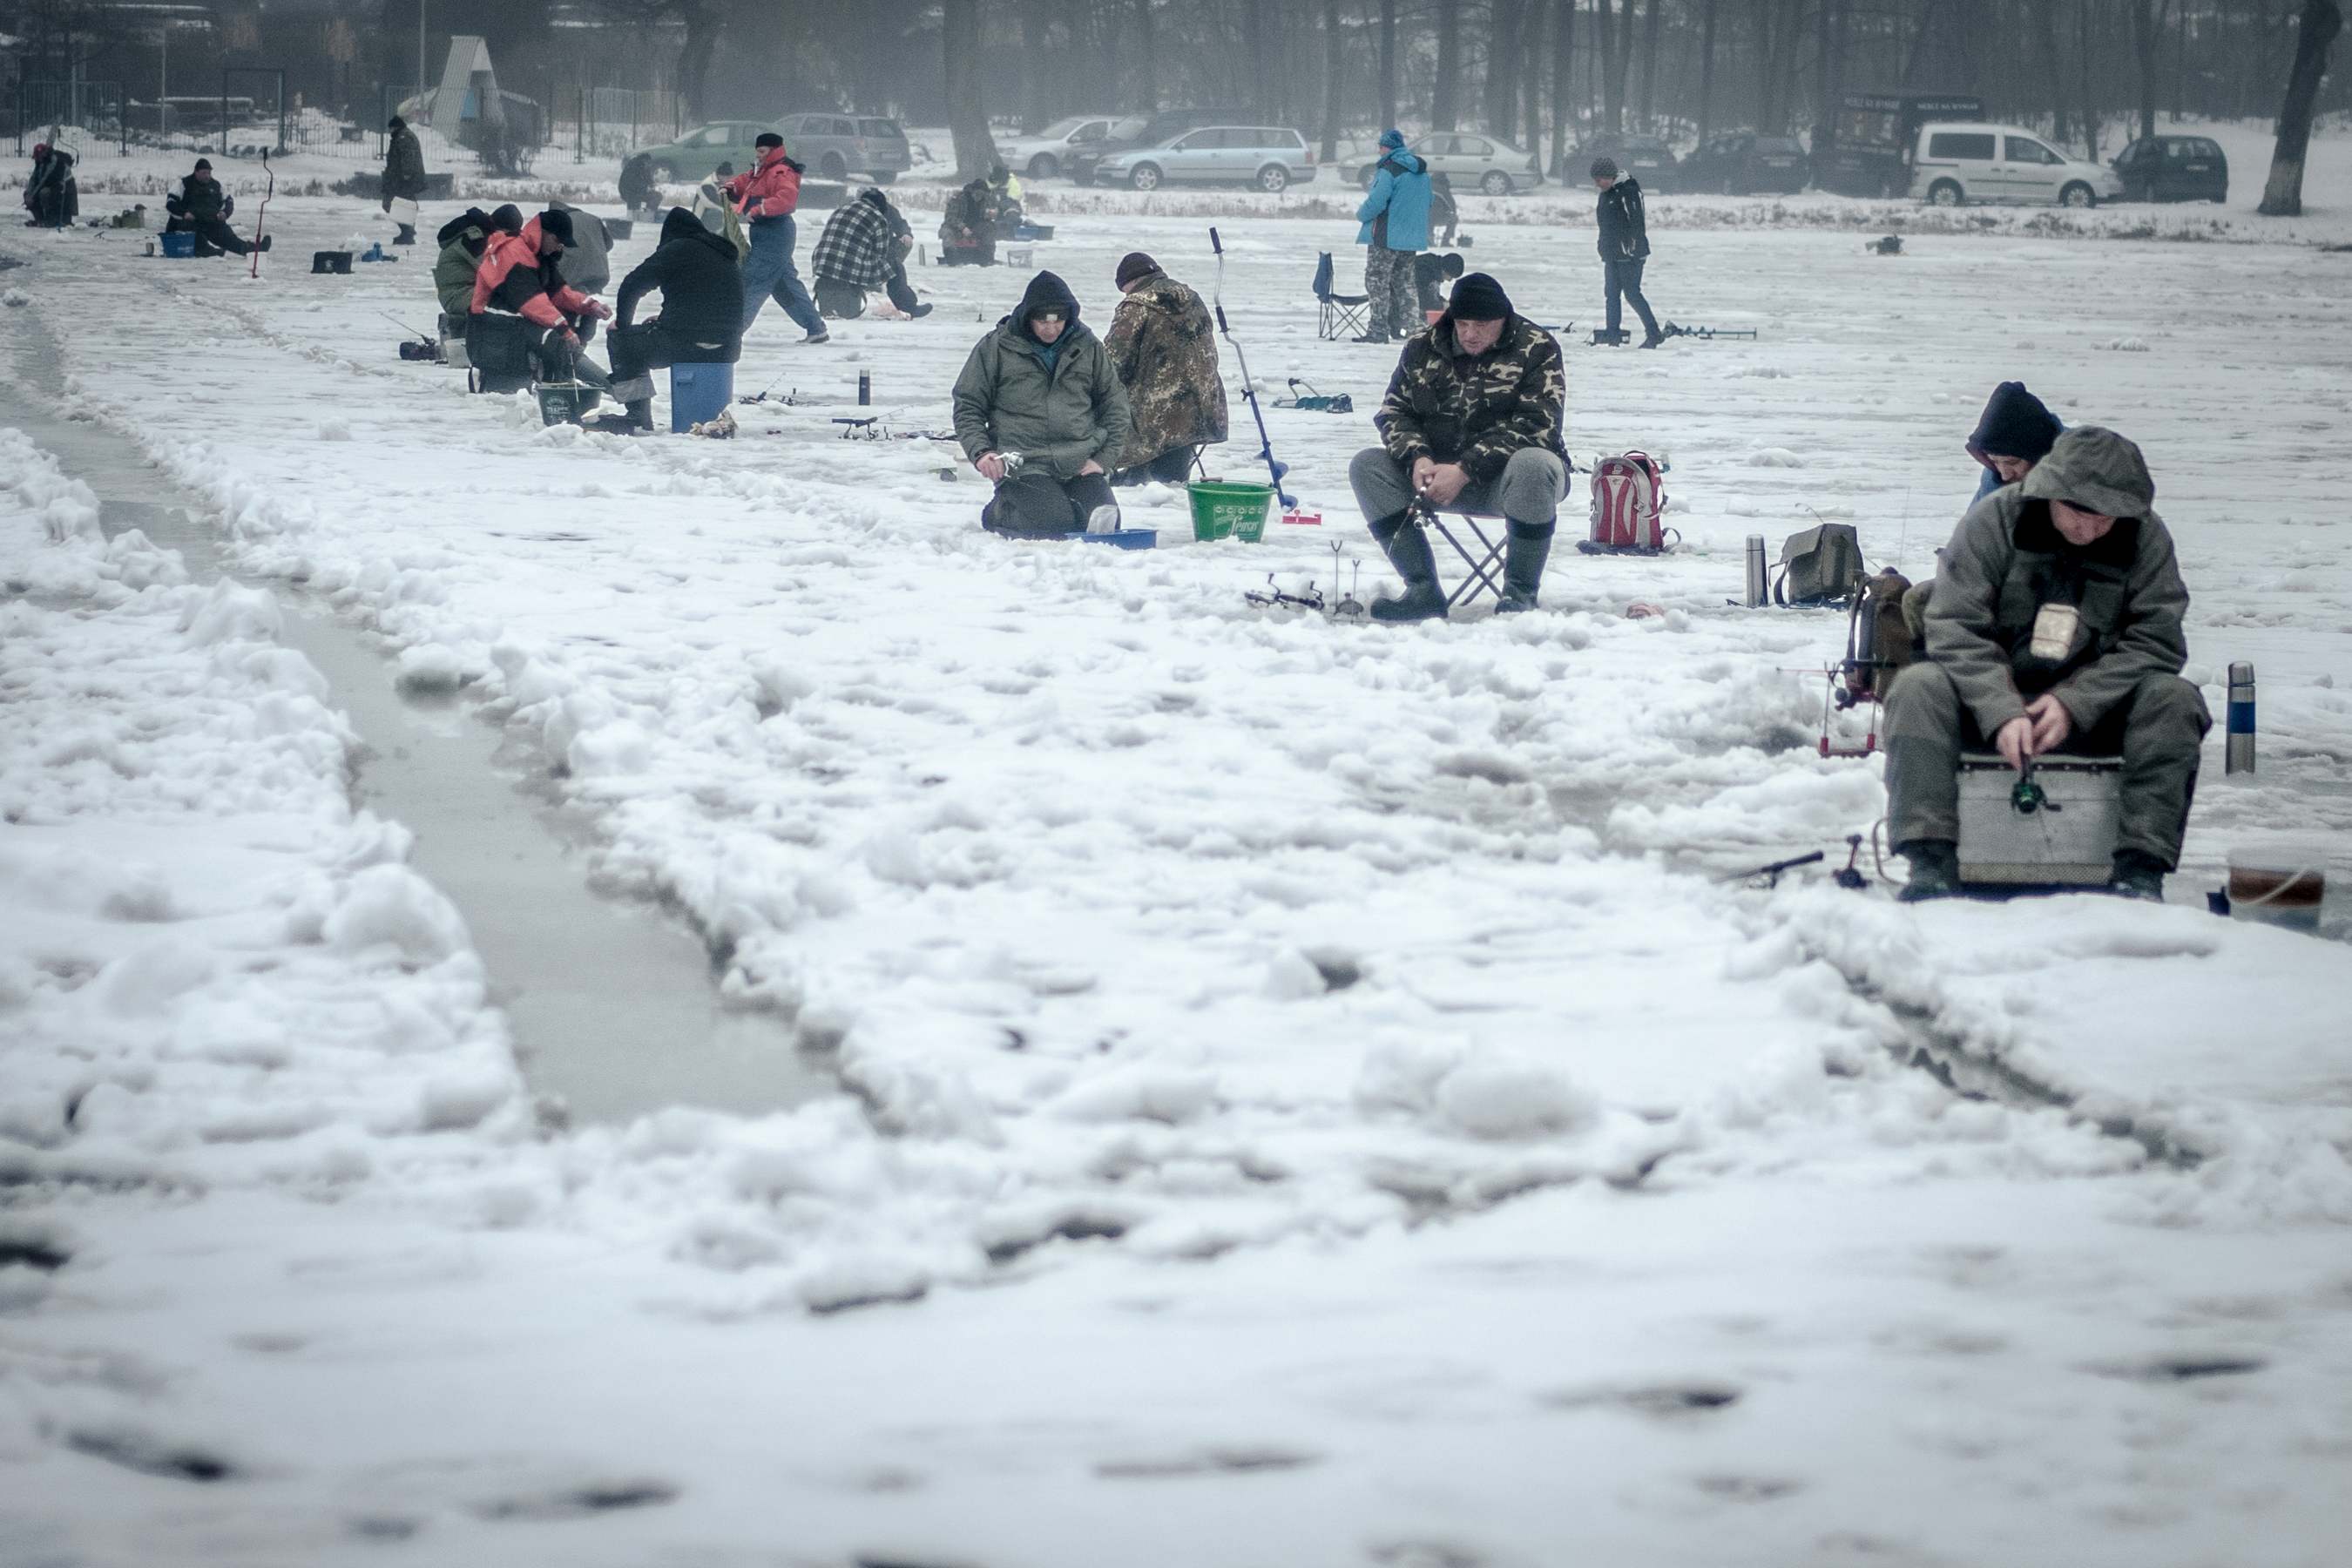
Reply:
x=2055, y=626
x=1471, y=424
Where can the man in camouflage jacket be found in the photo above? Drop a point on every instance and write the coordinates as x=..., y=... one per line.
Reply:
x=1471, y=422
x=1164, y=347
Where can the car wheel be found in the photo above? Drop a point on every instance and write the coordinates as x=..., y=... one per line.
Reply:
x=2078, y=194
x=1495, y=184
x=1274, y=179
x=1146, y=177
x=1045, y=166
x=833, y=166
x=1946, y=194
x=664, y=174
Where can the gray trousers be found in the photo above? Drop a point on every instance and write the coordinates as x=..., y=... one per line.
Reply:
x=1392, y=307
x=2157, y=730
x=1529, y=491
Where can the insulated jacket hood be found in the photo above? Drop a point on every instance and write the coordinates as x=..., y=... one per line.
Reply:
x=681, y=224
x=1046, y=292
x=2095, y=469
x=2016, y=424
x=472, y=218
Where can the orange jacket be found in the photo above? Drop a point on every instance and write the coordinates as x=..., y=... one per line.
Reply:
x=772, y=190
x=513, y=276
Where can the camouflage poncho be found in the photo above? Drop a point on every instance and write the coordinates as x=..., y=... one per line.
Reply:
x=1164, y=348
x=1442, y=403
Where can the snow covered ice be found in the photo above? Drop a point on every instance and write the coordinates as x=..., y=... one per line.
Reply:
x=1304, y=1093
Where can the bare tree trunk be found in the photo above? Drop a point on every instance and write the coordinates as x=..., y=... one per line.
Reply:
x=2045, y=16
x=2083, y=74
x=1706, y=71
x=1147, y=57
x=1832, y=74
x=1036, y=66
x=2283, y=193
x=1531, y=71
x=1649, y=66
x=1503, y=68
x=2148, y=27
x=1613, y=77
x=1334, y=61
x=1563, y=83
x=1388, y=64
x=1444, y=115
x=976, y=150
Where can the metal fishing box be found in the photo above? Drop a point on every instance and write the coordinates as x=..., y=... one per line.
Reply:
x=2066, y=839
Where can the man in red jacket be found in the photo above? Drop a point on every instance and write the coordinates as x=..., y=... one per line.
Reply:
x=518, y=276
x=766, y=199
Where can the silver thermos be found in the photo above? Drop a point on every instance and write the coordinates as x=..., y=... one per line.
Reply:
x=1755, y=570
x=2240, y=756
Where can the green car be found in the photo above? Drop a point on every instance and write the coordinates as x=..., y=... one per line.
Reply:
x=703, y=149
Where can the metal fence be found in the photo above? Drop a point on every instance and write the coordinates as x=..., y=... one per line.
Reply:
x=94, y=108
x=612, y=121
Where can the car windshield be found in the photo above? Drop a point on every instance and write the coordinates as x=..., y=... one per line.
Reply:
x=1062, y=127
x=1127, y=130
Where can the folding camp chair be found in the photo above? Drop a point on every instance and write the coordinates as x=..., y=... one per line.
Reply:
x=1342, y=314
x=1486, y=567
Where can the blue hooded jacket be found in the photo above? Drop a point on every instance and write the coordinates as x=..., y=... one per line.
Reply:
x=1401, y=192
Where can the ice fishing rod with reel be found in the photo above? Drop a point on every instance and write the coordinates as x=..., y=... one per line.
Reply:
x=1274, y=471
x=262, y=212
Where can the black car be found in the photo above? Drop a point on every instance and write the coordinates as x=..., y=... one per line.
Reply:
x=1147, y=131
x=2174, y=169
x=1647, y=158
x=1741, y=162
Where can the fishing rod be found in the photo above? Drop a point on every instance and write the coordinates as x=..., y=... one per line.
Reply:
x=1249, y=388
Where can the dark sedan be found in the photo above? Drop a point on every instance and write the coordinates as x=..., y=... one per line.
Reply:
x=1740, y=163
x=1647, y=158
x=2174, y=169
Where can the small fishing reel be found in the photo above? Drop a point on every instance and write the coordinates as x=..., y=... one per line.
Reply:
x=2028, y=798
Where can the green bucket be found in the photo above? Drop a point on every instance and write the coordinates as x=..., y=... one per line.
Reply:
x=1222, y=511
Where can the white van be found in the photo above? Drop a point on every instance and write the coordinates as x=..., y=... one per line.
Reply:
x=1958, y=161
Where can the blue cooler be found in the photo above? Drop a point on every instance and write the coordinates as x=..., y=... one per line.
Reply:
x=699, y=392
x=181, y=244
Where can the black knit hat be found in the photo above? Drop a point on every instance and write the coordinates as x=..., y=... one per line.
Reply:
x=506, y=219
x=768, y=138
x=557, y=221
x=204, y=163
x=1477, y=298
x=2016, y=424
x=1604, y=168
x=1134, y=265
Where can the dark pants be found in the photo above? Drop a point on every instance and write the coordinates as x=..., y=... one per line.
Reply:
x=1034, y=501
x=981, y=252
x=650, y=346
x=215, y=232
x=1625, y=282
x=2157, y=732
x=1172, y=467
x=847, y=301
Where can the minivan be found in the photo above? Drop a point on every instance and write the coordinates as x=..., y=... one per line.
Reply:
x=1270, y=157
x=1956, y=163
x=2174, y=169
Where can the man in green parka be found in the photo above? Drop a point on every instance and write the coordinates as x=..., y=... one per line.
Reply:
x=2055, y=626
x=1041, y=414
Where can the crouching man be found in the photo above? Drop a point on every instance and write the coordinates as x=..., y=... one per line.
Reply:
x=2055, y=625
x=519, y=278
x=701, y=320
x=1471, y=422
x=1040, y=412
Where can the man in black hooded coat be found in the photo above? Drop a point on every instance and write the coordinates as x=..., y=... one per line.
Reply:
x=701, y=320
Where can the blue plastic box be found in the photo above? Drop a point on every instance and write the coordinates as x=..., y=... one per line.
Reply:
x=698, y=393
x=182, y=244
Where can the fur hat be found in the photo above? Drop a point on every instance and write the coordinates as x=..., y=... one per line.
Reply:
x=768, y=138
x=557, y=221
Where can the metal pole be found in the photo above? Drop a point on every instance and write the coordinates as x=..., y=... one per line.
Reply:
x=2239, y=756
x=420, y=56
x=163, y=85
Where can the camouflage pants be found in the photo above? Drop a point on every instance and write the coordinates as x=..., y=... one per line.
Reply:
x=1387, y=283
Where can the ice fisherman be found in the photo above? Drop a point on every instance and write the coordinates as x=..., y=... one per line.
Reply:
x=462, y=241
x=701, y=320
x=1444, y=214
x=587, y=260
x=202, y=208
x=1394, y=218
x=639, y=195
x=1040, y=413
x=52, y=197
x=968, y=227
x=1431, y=274
x=711, y=203
x=518, y=276
x=1624, y=249
x=404, y=178
x=864, y=245
x=2055, y=626
x=1164, y=348
x=765, y=199
x=1472, y=421
x=2016, y=431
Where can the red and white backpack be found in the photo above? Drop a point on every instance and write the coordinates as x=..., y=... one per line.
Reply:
x=1628, y=504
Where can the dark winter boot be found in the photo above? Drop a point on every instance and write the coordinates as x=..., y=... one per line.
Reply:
x=1654, y=339
x=1523, y=566
x=407, y=236
x=1407, y=547
x=267, y=240
x=1373, y=338
x=2138, y=875
x=1935, y=869
x=641, y=414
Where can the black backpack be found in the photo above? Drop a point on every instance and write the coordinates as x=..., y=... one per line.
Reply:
x=1822, y=565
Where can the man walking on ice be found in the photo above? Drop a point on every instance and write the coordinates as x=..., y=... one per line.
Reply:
x=1624, y=249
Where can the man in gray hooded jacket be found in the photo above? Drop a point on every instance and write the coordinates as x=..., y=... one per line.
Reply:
x=2055, y=625
x=1041, y=414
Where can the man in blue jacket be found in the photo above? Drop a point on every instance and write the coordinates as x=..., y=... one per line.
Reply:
x=1395, y=218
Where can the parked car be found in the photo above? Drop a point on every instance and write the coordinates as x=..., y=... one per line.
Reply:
x=1741, y=163
x=1145, y=131
x=701, y=149
x=1270, y=157
x=1042, y=157
x=1647, y=158
x=2174, y=169
x=1958, y=161
x=1472, y=162
x=835, y=146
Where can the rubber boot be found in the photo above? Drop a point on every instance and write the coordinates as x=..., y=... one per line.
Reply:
x=407, y=235
x=1407, y=547
x=1935, y=869
x=1523, y=566
x=2138, y=875
x=641, y=414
